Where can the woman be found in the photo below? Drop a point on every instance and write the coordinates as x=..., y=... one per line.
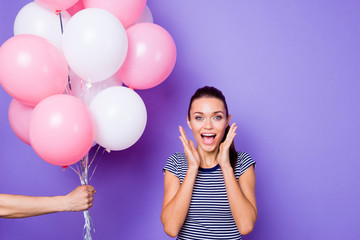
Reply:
x=209, y=191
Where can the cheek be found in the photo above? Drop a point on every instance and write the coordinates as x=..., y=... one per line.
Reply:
x=221, y=128
x=196, y=133
x=195, y=126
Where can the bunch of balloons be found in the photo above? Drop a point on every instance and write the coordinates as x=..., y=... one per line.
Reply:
x=92, y=47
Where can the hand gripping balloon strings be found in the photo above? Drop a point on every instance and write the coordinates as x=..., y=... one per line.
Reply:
x=84, y=181
x=82, y=172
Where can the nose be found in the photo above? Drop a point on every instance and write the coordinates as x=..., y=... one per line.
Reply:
x=208, y=123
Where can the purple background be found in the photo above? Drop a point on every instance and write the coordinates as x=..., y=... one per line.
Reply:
x=290, y=72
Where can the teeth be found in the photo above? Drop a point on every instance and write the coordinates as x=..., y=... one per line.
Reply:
x=208, y=135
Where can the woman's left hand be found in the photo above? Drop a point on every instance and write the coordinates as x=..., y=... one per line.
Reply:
x=223, y=155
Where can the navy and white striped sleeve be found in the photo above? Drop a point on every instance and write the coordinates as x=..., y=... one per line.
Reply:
x=244, y=161
x=172, y=165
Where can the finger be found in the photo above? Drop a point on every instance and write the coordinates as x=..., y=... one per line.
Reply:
x=233, y=127
x=230, y=135
x=192, y=146
x=183, y=134
x=90, y=188
x=185, y=145
x=230, y=138
x=183, y=138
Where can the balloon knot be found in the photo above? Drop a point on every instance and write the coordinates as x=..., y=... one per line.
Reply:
x=64, y=167
x=57, y=11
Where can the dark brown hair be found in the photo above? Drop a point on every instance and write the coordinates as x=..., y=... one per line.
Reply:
x=212, y=92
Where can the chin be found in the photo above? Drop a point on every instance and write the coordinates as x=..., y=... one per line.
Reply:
x=209, y=148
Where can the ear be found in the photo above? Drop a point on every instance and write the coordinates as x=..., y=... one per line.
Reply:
x=188, y=122
x=228, y=120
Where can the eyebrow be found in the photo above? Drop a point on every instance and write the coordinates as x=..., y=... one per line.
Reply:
x=217, y=112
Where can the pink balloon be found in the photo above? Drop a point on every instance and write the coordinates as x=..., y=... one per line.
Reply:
x=32, y=68
x=19, y=118
x=76, y=8
x=151, y=56
x=127, y=11
x=57, y=4
x=61, y=130
x=146, y=16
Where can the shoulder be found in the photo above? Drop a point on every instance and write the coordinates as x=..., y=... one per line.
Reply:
x=177, y=165
x=244, y=157
x=176, y=160
x=177, y=157
x=244, y=161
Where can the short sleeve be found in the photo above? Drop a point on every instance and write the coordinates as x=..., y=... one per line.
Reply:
x=172, y=165
x=244, y=161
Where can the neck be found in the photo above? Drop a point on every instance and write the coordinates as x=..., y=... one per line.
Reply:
x=208, y=159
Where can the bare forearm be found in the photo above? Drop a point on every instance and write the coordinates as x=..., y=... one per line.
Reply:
x=243, y=211
x=19, y=206
x=174, y=213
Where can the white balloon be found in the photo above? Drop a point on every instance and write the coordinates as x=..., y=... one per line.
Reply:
x=94, y=44
x=120, y=117
x=37, y=20
x=86, y=91
x=146, y=16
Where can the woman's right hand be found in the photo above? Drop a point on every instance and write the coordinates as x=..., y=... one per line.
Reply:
x=191, y=153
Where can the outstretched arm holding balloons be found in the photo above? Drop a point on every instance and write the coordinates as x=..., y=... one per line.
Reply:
x=20, y=206
x=66, y=78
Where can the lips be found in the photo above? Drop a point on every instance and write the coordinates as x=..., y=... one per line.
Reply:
x=208, y=138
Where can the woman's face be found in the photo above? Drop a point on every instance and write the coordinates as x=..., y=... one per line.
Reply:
x=208, y=122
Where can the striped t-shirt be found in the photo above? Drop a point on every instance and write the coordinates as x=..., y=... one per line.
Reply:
x=209, y=215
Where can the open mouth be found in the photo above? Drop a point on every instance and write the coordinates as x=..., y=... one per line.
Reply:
x=208, y=138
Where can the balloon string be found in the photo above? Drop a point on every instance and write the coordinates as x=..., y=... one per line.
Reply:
x=62, y=32
x=83, y=167
x=93, y=158
x=61, y=24
x=84, y=181
x=69, y=82
x=96, y=163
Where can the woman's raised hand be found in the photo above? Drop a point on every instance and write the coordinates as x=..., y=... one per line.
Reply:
x=190, y=151
x=223, y=156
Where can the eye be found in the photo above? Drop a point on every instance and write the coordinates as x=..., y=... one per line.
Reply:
x=218, y=117
x=198, y=118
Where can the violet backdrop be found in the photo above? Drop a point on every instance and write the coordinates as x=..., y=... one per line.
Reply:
x=290, y=73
